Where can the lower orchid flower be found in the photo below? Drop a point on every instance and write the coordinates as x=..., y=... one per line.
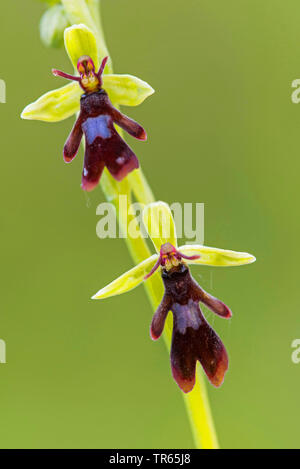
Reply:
x=193, y=339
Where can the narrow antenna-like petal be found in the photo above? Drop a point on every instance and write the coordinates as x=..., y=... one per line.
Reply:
x=154, y=268
x=59, y=73
x=101, y=69
x=189, y=258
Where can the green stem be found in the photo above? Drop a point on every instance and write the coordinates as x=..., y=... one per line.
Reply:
x=87, y=11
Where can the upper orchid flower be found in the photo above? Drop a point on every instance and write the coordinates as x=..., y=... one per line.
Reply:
x=104, y=146
x=193, y=338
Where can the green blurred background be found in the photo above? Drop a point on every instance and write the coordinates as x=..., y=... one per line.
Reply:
x=223, y=131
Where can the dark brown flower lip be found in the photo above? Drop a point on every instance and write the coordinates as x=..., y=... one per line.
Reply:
x=193, y=339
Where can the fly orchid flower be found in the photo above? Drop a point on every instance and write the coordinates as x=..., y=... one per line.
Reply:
x=193, y=339
x=93, y=93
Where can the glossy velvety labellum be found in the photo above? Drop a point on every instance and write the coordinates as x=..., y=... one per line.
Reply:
x=193, y=339
x=104, y=146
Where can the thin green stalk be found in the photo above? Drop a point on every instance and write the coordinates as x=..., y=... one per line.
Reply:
x=197, y=404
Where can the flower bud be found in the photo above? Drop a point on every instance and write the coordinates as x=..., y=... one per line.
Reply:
x=52, y=25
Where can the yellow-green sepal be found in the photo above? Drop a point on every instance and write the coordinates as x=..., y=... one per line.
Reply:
x=160, y=225
x=56, y=105
x=215, y=256
x=127, y=281
x=126, y=90
x=79, y=41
